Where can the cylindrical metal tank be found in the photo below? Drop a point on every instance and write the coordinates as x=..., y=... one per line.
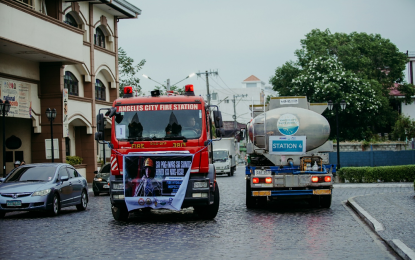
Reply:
x=290, y=121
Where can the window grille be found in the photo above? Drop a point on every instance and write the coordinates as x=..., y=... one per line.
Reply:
x=99, y=38
x=99, y=90
x=71, y=83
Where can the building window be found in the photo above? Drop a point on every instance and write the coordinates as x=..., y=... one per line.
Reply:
x=71, y=83
x=99, y=90
x=28, y=3
x=251, y=85
x=99, y=38
x=70, y=20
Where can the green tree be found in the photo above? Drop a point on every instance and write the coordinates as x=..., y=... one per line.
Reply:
x=404, y=128
x=358, y=68
x=175, y=89
x=127, y=71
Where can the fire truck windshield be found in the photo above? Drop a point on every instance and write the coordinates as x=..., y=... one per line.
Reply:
x=158, y=125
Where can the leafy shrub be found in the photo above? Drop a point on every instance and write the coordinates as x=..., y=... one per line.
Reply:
x=382, y=173
x=74, y=160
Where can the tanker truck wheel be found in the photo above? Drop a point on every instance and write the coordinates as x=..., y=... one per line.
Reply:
x=209, y=211
x=250, y=201
x=325, y=201
x=120, y=213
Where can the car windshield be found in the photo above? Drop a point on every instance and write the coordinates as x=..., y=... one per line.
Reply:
x=40, y=173
x=158, y=125
x=220, y=155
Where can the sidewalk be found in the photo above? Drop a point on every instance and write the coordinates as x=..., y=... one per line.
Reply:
x=390, y=215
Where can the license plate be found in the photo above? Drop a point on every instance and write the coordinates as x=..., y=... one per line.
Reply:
x=106, y=186
x=14, y=203
x=322, y=192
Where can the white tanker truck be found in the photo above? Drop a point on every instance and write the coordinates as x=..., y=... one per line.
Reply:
x=285, y=141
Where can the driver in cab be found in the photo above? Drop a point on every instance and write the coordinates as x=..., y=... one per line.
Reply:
x=190, y=124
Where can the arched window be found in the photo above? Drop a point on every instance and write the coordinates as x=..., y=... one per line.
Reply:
x=70, y=20
x=99, y=90
x=71, y=83
x=99, y=38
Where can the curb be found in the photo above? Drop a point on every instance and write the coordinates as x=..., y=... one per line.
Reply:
x=397, y=245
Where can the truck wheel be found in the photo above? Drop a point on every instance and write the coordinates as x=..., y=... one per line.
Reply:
x=209, y=211
x=325, y=201
x=120, y=213
x=250, y=201
x=314, y=201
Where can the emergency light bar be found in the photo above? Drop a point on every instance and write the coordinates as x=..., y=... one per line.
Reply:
x=128, y=91
x=189, y=90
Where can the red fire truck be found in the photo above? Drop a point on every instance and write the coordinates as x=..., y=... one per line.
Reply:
x=164, y=124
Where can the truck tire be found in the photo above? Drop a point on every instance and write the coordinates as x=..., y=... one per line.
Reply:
x=250, y=201
x=209, y=211
x=325, y=201
x=119, y=213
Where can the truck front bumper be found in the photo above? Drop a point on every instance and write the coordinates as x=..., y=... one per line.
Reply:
x=194, y=196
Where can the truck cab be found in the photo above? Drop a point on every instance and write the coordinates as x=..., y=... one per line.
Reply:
x=159, y=125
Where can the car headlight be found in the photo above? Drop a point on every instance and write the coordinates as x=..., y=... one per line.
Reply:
x=41, y=192
x=227, y=167
x=200, y=184
x=97, y=179
x=118, y=186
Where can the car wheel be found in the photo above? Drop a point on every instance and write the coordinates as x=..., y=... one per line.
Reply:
x=119, y=213
x=209, y=211
x=96, y=193
x=2, y=214
x=56, y=206
x=84, y=202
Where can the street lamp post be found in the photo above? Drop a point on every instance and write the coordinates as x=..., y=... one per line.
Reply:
x=168, y=81
x=4, y=109
x=51, y=114
x=336, y=109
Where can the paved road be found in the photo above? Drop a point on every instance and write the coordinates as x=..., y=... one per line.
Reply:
x=279, y=231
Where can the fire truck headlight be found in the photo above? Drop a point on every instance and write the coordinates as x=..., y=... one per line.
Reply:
x=118, y=186
x=200, y=184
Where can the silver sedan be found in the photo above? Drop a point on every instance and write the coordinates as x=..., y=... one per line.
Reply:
x=42, y=186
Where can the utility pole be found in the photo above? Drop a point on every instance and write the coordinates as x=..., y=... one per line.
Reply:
x=207, y=73
x=234, y=109
x=168, y=85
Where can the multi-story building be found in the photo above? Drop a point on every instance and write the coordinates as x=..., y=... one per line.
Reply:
x=60, y=55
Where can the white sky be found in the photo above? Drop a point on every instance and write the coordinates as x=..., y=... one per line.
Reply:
x=240, y=38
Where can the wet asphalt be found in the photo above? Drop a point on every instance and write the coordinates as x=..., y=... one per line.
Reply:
x=283, y=230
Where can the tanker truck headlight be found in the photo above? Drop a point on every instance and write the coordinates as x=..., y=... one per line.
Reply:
x=118, y=186
x=200, y=184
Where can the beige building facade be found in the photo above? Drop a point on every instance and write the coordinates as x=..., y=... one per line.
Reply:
x=63, y=55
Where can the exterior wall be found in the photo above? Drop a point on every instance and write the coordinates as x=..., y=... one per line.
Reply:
x=32, y=31
x=409, y=110
x=78, y=109
x=12, y=65
x=19, y=127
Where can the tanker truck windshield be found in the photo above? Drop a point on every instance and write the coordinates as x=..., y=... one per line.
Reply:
x=158, y=125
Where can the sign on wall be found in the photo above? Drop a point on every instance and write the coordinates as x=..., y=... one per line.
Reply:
x=19, y=95
x=65, y=113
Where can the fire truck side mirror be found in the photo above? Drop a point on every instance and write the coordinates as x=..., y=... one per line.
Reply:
x=220, y=132
x=111, y=112
x=217, y=118
x=100, y=123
